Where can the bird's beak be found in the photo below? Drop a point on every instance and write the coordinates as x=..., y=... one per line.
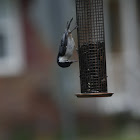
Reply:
x=74, y=61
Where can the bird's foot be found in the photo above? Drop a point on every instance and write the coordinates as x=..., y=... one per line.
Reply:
x=74, y=28
x=77, y=50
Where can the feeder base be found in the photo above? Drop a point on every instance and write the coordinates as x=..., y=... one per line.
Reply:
x=88, y=95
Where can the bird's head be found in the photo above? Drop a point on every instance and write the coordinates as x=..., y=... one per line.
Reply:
x=65, y=64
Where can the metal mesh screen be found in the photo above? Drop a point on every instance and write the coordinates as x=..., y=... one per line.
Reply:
x=91, y=46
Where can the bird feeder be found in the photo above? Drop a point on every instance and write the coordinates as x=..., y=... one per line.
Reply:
x=91, y=48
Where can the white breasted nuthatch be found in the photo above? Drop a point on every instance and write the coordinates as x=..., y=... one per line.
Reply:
x=66, y=47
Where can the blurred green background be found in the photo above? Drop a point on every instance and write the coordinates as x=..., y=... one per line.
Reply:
x=37, y=98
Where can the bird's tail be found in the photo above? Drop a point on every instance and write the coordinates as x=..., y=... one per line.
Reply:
x=69, y=23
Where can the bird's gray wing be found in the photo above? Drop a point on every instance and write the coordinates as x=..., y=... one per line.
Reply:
x=63, y=45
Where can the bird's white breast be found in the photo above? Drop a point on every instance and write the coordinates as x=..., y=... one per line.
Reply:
x=70, y=47
x=69, y=50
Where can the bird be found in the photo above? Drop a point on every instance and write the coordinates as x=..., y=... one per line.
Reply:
x=66, y=47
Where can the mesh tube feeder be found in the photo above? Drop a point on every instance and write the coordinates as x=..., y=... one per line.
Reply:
x=91, y=48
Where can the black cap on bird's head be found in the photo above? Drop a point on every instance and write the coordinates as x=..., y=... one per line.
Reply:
x=65, y=64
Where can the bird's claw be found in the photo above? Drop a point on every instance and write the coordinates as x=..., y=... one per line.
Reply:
x=77, y=50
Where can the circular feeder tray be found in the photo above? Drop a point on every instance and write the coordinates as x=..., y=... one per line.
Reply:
x=88, y=95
